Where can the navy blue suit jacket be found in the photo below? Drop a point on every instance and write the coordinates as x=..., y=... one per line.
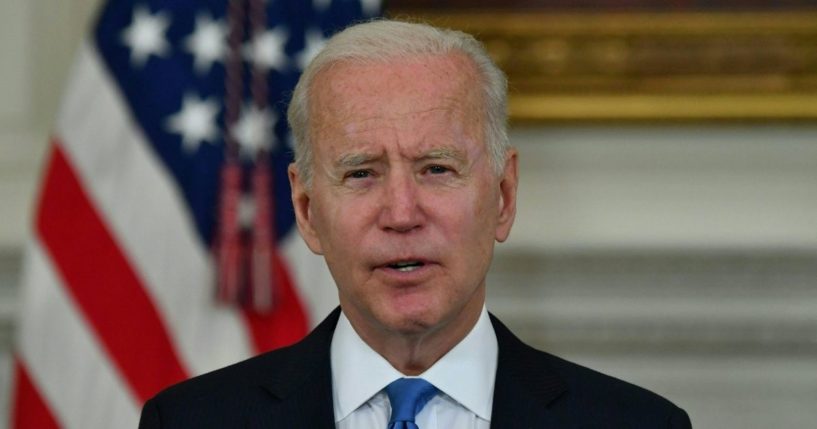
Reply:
x=291, y=388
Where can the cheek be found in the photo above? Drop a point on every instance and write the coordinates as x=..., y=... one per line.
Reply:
x=482, y=202
x=467, y=217
x=341, y=222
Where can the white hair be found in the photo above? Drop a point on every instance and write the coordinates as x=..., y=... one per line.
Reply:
x=383, y=40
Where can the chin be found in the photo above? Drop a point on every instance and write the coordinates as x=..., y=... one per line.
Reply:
x=412, y=321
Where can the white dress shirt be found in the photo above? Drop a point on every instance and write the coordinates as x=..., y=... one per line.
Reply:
x=464, y=376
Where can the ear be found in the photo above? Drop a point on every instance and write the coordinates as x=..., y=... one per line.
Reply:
x=302, y=203
x=507, y=196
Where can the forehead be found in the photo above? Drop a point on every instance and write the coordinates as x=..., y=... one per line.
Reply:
x=355, y=92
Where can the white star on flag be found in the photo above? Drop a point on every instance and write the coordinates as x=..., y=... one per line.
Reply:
x=146, y=35
x=207, y=43
x=267, y=50
x=321, y=5
x=314, y=43
x=196, y=121
x=254, y=130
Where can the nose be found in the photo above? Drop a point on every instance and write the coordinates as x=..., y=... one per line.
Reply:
x=401, y=210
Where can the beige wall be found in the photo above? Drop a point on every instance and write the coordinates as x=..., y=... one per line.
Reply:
x=693, y=186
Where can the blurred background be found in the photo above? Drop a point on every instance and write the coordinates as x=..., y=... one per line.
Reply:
x=667, y=223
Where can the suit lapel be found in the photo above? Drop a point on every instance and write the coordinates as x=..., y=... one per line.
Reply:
x=301, y=389
x=525, y=385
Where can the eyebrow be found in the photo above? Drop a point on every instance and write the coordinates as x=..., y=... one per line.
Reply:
x=351, y=160
x=354, y=159
x=445, y=153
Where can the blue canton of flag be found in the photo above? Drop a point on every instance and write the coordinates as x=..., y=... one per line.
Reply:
x=168, y=57
x=180, y=65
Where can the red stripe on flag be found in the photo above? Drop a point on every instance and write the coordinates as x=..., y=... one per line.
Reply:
x=103, y=284
x=287, y=322
x=28, y=411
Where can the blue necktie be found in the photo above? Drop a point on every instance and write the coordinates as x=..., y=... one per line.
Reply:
x=407, y=397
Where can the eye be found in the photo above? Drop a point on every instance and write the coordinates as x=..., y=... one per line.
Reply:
x=359, y=174
x=437, y=169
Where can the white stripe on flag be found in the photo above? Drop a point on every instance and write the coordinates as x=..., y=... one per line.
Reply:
x=139, y=202
x=311, y=277
x=66, y=363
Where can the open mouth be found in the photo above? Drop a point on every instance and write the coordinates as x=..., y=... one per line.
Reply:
x=406, y=266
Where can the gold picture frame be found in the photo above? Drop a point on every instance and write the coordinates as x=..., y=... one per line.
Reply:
x=648, y=66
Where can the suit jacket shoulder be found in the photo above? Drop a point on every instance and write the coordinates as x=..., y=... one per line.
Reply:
x=292, y=388
x=286, y=388
x=535, y=389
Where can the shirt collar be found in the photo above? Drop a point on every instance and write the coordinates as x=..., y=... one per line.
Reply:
x=466, y=373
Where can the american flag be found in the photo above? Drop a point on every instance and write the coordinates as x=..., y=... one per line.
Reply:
x=164, y=243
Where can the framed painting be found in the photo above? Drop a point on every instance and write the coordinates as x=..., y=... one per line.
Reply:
x=643, y=60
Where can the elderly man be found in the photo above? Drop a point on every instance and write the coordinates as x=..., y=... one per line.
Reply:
x=403, y=181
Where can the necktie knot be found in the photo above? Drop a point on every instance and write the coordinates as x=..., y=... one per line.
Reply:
x=407, y=397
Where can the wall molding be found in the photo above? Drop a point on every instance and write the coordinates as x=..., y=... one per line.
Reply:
x=724, y=302
x=647, y=66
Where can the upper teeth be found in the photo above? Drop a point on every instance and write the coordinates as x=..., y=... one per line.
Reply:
x=406, y=266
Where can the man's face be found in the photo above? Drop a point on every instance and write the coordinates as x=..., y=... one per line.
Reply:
x=404, y=204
